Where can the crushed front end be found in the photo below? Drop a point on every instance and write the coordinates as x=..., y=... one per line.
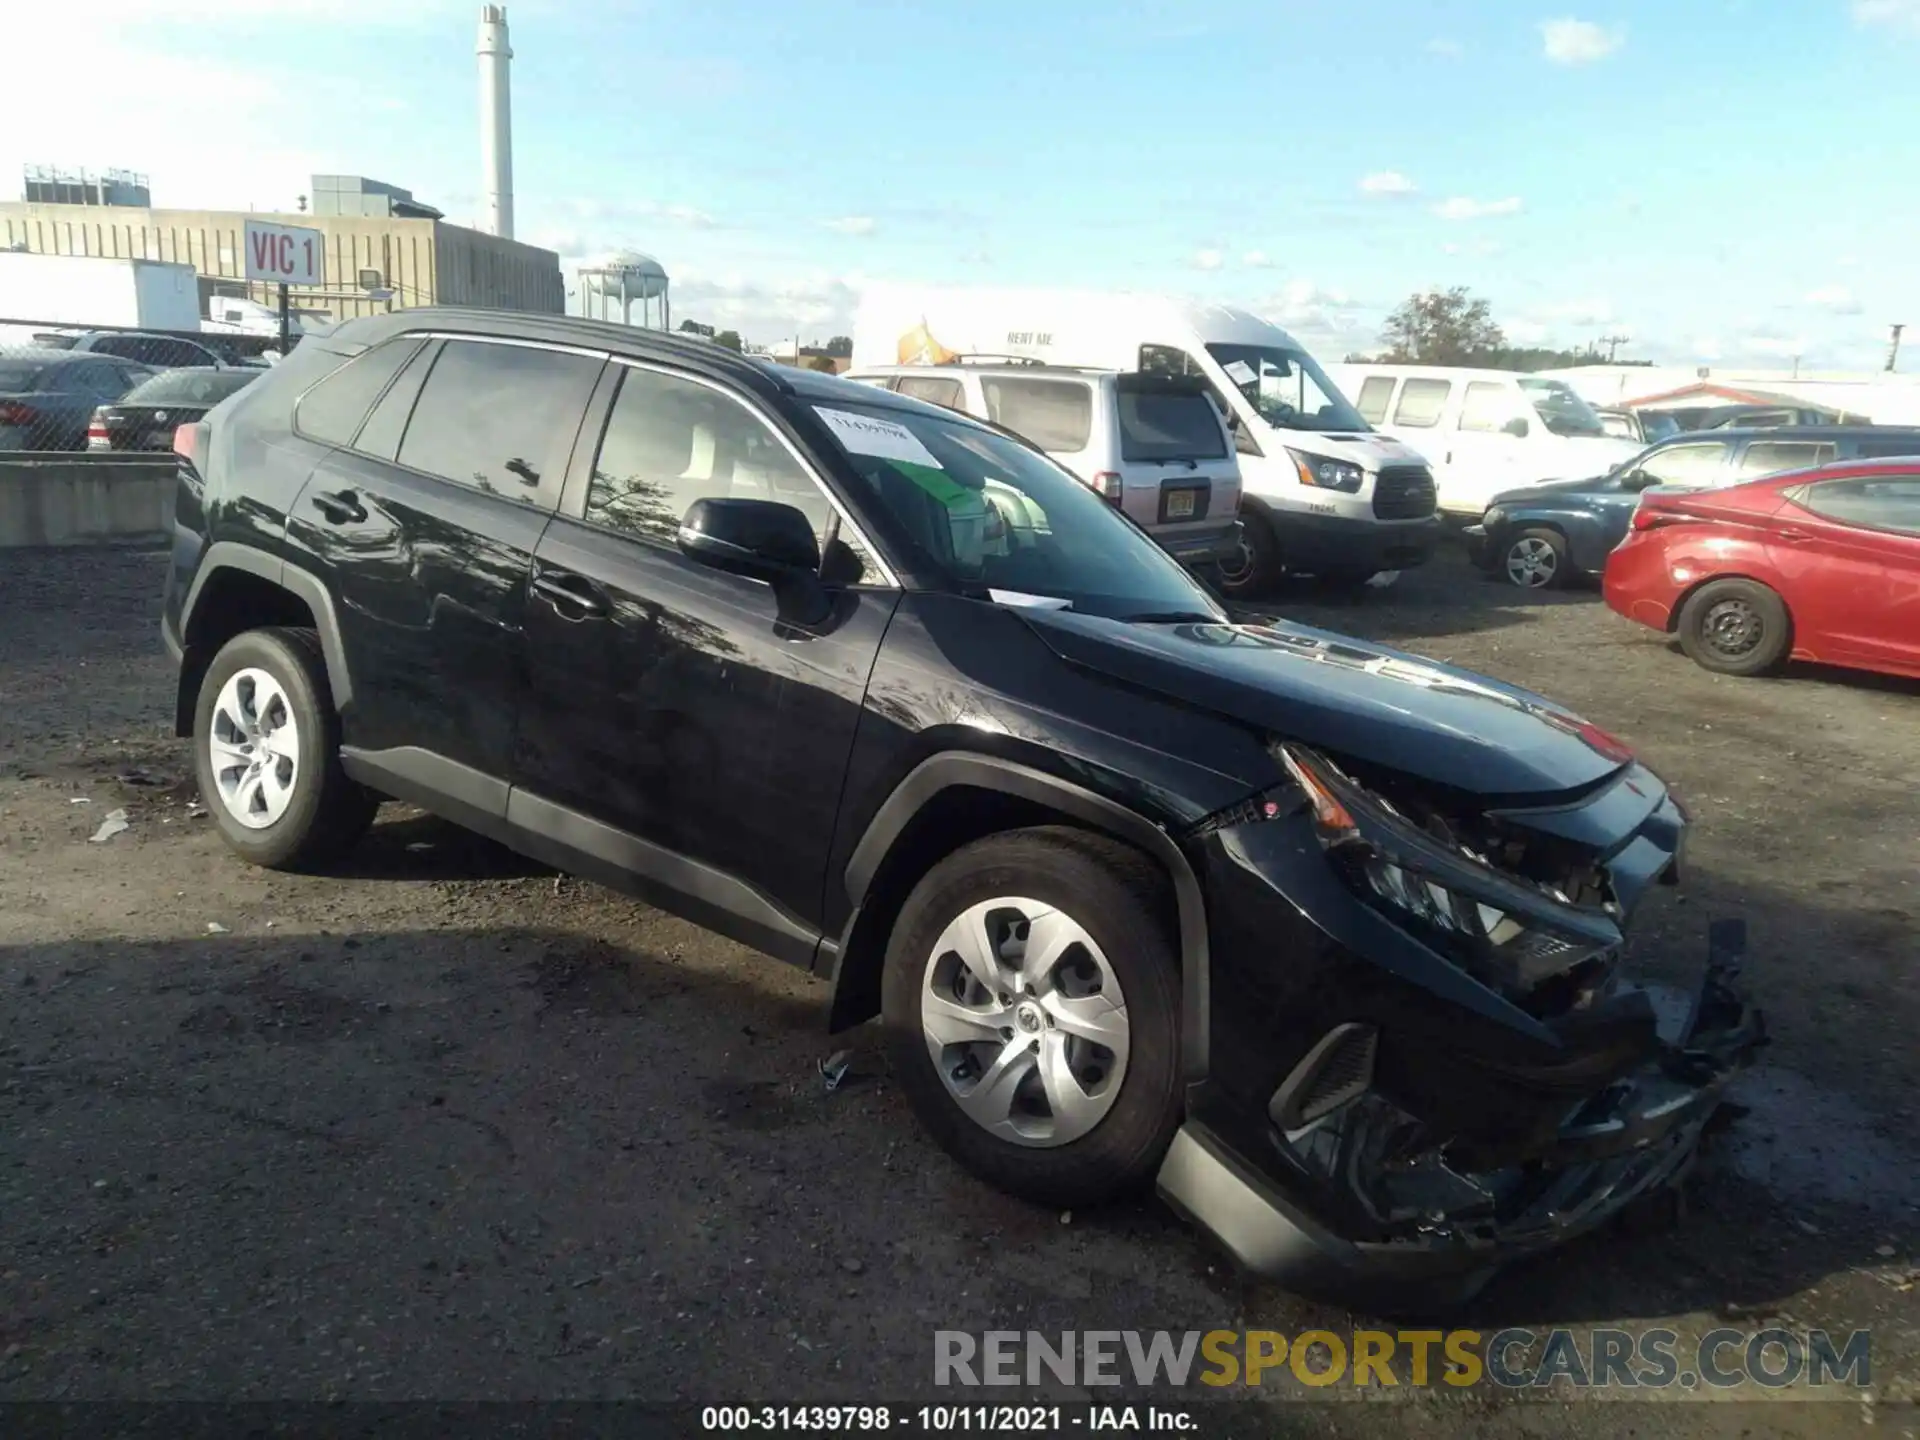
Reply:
x=1425, y=1055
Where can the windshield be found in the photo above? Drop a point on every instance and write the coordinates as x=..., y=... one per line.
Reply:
x=996, y=516
x=1560, y=407
x=188, y=387
x=1287, y=388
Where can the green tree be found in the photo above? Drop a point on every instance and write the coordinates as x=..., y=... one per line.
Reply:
x=694, y=327
x=1442, y=327
x=728, y=338
x=840, y=346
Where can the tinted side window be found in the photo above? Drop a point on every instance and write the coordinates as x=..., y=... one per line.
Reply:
x=934, y=389
x=500, y=418
x=670, y=442
x=1053, y=414
x=332, y=410
x=1421, y=403
x=1881, y=504
x=1686, y=464
x=1375, y=392
x=380, y=436
x=1770, y=457
x=1167, y=360
x=1485, y=406
x=1887, y=447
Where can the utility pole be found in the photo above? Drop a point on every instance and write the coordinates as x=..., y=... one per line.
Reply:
x=1613, y=344
x=1893, y=350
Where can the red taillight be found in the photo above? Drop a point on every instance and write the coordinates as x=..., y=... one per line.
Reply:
x=12, y=412
x=1645, y=519
x=1110, y=486
x=98, y=437
x=186, y=441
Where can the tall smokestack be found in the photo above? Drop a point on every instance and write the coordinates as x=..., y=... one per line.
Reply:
x=496, y=123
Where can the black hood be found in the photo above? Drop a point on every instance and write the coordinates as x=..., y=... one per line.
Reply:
x=1351, y=698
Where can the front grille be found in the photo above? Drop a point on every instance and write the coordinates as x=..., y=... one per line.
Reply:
x=1403, y=492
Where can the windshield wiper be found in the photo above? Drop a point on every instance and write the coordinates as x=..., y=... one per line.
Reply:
x=1175, y=617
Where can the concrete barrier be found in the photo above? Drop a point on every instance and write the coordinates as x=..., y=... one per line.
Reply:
x=85, y=499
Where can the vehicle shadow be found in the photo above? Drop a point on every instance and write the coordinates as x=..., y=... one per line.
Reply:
x=406, y=843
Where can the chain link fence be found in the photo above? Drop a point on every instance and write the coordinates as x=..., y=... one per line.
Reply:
x=68, y=388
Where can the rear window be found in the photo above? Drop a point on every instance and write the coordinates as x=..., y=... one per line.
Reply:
x=1159, y=426
x=1770, y=457
x=188, y=387
x=1053, y=414
x=934, y=389
x=17, y=375
x=332, y=411
x=1421, y=402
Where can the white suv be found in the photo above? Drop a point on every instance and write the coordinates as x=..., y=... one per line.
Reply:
x=1156, y=446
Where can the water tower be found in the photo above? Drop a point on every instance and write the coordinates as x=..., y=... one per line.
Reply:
x=622, y=279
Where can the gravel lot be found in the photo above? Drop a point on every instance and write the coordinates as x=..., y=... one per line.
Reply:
x=450, y=1126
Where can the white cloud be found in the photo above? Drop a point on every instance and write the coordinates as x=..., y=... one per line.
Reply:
x=852, y=225
x=1899, y=14
x=1526, y=332
x=1446, y=49
x=814, y=306
x=1480, y=246
x=1329, y=319
x=1386, y=182
x=1835, y=298
x=1462, y=207
x=1580, y=312
x=1783, y=347
x=1208, y=259
x=688, y=216
x=1257, y=260
x=1578, y=42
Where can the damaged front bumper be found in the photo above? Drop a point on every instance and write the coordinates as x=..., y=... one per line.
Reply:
x=1457, y=1226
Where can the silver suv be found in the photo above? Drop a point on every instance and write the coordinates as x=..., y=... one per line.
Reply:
x=1155, y=446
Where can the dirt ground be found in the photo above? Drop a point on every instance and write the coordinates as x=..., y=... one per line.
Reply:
x=447, y=1125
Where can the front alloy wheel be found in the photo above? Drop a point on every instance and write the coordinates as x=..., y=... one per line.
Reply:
x=1025, y=1021
x=1533, y=562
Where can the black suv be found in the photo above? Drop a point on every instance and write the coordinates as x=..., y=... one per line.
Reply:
x=1545, y=535
x=1324, y=938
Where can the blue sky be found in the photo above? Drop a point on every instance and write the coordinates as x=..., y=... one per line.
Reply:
x=1723, y=180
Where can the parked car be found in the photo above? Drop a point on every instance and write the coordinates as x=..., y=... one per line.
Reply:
x=47, y=399
x=1547, y=535
x=156, y=352
x=1818, y=565
x=147, y=415
x=1483, y=431
x=1154, y=446
x=1773, y=417
x=1643, y=427
x=1325, y=939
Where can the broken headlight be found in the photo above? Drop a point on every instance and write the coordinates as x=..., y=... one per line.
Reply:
x=1509, y=931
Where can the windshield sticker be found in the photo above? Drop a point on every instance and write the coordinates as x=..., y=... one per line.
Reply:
x=1241, y=373
x=1030, y=602
x=870, y=435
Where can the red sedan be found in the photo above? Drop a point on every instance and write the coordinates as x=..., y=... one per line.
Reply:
x=1815, y=564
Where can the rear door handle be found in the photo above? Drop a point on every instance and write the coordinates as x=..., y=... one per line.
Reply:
x=1792, y=536
x=568, y=591
x=342, y=507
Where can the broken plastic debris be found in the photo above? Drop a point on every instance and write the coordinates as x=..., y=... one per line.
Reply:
x=214, y=927
x=835, y=1067
x=195, y=810
x=115, y=822
x=81, y=800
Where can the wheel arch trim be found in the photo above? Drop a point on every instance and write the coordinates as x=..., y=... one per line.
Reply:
x=303, y=584
x=1097, y=812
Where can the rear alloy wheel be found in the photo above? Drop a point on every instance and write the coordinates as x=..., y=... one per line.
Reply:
x=1031, y=995
x=1252, y=570
x=1735, y=627
x=267, y=753
x=1535, y=560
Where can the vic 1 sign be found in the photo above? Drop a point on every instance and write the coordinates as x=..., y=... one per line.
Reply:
x=289, y=254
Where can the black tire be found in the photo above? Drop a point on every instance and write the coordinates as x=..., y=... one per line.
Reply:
x=327, y=813
x=1109, y=890
x=1258, y=567
x=1735, y=627
x=1533, y=559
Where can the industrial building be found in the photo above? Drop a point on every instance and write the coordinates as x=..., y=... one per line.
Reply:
x=385, y=250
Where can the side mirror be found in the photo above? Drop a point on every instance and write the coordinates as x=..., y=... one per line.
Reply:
x=1516, y=427
x=761, y=539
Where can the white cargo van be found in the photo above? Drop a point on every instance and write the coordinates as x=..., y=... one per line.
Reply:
x=1485, y=431
x=1321, y=494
